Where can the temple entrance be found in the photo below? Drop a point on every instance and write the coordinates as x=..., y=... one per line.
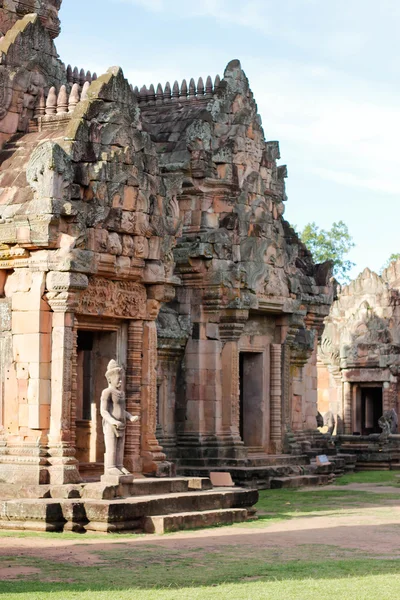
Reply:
x=368, y=409
x=95, y=350
x=251, y=399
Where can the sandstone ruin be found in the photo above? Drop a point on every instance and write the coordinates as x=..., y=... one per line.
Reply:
x=144, y=225
x=358, y=366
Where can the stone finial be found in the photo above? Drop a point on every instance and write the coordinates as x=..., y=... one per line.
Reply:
x=75, y=75
x=143, y=94
x=88, y=76
x=136, y=92
x=73, y=98
x=82, y=77
x=40, y=108
x=51, y=103
x=167, y=92
x=70, y=78
x=200, y=87
x=183, y=92
x=62, y=100
x=94, y=76
x=159, y=94
x=209, y=87
x=217, y=82
x=151, y=96
x=85, y=90
x=175, y=91
x=192, y=89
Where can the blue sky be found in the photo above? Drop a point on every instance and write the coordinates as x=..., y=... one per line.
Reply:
x=325, y=76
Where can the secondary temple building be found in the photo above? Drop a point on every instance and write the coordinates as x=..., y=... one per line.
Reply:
x=359, y=354
x=145, y=225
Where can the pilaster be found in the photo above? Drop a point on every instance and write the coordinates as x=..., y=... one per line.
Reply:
x=151, y=451
x=63, y=294
x=133, y=461
x=276, y=434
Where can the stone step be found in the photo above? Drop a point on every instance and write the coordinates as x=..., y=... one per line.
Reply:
x=118, y=515
x=146, y=486
x=194, y=520
x=302, y=480
x=372, y=466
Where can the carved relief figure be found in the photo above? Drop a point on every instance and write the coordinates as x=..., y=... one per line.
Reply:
x=114, y=413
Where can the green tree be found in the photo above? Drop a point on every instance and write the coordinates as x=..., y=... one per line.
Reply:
x=392, y=257
x=333, y=244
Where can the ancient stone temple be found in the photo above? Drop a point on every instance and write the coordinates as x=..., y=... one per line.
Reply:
x=359, y=355
x=144, y=226
x=359, y=362
x=236, y=368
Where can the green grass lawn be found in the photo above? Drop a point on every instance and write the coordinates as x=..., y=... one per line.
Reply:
x=375, y=477
x=150, y=571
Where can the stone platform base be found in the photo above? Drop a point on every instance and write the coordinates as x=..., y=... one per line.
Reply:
x=142, y=505
x=267, y=471
x=372, y=452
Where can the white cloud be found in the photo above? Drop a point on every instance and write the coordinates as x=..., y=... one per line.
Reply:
x=248, y=14
x=347, y=131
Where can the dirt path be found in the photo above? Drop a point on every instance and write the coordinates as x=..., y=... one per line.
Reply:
x=368, y=530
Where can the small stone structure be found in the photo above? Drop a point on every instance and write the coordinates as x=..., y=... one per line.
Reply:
x=359, y=362
x=144, y=226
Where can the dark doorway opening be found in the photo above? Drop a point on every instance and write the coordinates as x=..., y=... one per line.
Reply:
x=94, y=351
x=251, y=421
x=371, y=409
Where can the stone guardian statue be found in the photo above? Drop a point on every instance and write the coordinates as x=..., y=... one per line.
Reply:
x=114, y=413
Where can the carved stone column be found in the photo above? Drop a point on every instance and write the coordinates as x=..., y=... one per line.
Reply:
x=63, y=296
x=133, y=461
x=276, y=399
x=230, y=332
x=152, y=453
x=347, y=407
x=286, y=392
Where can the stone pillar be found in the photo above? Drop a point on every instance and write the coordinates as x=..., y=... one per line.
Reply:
x=286, y=392
x=347, y=407
x=276, y=399
x=133, y=460
x=230, y=330
x=151, y=450
x=63, y=298
x=230, y=389
x=169, y=360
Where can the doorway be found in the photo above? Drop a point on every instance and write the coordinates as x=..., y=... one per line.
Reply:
x=251, y=421
x=367, y=408
x=371, y=409
x=94, y=351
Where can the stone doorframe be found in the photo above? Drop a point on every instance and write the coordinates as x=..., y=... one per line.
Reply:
x=370, y=377
x=98, y=325
x=271, y=401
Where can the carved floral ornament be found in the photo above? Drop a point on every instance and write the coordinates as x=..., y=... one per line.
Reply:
x=103, y=297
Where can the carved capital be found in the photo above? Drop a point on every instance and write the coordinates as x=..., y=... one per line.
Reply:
x=232, y=324
x=64, y=290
